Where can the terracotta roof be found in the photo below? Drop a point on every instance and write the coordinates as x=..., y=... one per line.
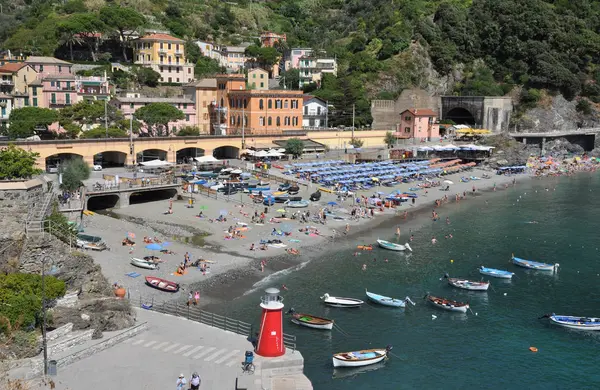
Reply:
x=160, y=37
x=12, y=67
x=204, y=83
x=421, y=112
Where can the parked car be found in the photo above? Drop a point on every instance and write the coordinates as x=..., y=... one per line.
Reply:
x=97, y=167
x=52, y=169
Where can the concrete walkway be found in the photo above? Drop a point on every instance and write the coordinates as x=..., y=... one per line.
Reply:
x=173, y=346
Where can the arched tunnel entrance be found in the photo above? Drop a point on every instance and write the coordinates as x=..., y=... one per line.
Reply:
x=461, y=116
x=53, y=162
x=103, y=202
x=151, y=154
x=110, y=159
x=152, y=196
x=186, y=154
x=226, y=152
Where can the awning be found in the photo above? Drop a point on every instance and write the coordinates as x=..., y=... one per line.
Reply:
x=156, y=163
x=206, y=159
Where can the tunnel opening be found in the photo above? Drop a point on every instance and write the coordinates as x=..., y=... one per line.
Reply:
x=151, y=154
x=110, y=159
x=226, y=152
x=152, y=196
x=186, y=155
x=96, y=203
x=54, y=162
x=461, y=116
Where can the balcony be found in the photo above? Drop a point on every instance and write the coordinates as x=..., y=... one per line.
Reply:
x=178, y=53
x=7, y=82
x=60, y=102
x=162, y=51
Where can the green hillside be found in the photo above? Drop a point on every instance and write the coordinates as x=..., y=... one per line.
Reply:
x=382, y=47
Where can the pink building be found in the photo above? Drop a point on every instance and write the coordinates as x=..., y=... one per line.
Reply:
x=294, y=57
x=418, y=123
x=58, y=91
x=129, y=105
x=46, y=66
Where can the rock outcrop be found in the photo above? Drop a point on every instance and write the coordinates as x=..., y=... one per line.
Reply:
x=556, y=114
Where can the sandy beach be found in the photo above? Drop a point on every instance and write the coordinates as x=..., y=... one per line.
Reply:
x=235, y=268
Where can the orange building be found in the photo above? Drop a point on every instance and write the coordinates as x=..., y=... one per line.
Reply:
x=268, y=38
x=264, y=112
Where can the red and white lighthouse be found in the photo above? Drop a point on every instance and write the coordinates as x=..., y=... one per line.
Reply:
x=270, y=337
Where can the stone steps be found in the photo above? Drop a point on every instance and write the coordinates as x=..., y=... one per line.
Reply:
x=68, y=341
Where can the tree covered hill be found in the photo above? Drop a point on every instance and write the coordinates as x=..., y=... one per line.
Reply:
x=490, y=46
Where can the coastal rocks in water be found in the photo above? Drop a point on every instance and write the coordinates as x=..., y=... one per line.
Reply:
x=508, y=152
x=101, y=314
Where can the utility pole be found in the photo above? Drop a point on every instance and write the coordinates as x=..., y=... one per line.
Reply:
x=353, y=114
x=326, y=113
x=106, y=116
x=131, y=151
x=243, y=127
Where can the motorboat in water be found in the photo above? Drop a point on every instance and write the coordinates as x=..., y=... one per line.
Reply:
x=393, y=247
x=447, y=304
x=573, y=322
x=496, y=273
x=534, y=264
x=360, y=358
x=341, y=302
x=467, y=284
x=388, y=301
x=311, y=321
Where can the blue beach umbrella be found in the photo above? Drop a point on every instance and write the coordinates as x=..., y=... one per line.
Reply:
x=332, y=203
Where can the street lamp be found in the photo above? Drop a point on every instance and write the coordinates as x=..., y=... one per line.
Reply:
x=44, y=340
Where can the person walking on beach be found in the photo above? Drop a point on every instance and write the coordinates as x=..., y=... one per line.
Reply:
x=347, y=230
x=195, y=382
x=196, y=298
x=190, y=299
x=405, y=214
x=398, y=231
x=181, y=382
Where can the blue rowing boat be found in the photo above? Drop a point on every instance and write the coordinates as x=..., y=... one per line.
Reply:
x=496, y=273
x=534, y=264
x=387, y=301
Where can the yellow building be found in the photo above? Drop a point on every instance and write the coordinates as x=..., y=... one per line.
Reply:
x=204, y=94
x=258, y=79
x=166, y=55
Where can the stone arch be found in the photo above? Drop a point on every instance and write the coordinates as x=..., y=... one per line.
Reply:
x=188, y=152
x=54, y=160
x=461, y=116
x=151, y=196
x=150, y=153
x=110, y=158
x=103, y=202
x=225, y=152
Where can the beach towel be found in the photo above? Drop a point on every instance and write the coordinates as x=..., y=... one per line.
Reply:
x=178, y=274
x=133, y=274
x=294, y=240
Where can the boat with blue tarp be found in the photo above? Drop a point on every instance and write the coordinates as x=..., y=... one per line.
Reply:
x=496, y=273
x=534, y=264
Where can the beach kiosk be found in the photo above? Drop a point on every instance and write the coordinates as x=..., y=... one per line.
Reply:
x=270, y=337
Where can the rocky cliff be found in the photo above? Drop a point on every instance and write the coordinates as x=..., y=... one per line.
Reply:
x=555, y=113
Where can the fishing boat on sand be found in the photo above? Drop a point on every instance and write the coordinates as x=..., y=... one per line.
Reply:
x=341, y=302
x=393, y=247
x=162, y=284
x=572, y=322
x=147, y=264
x=310, y=321
x=447, y=304
x=534, y=264
x=296, y=204
x=388, y=301
x=467, y=284
x=361, y=358
x=496, y=273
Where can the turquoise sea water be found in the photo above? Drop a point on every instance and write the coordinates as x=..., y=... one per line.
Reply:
x=487, y=350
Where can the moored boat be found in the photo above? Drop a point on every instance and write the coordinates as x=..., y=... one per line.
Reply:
x=360, y=358
x=534, y=264
x=573, y=322
x=388, y=301
x=393, y=247
x=144, y=263
x=341, y=302
x=496, y=273
x=447, y=304
x=467, y=284
x=162, y=284
x=311, y=321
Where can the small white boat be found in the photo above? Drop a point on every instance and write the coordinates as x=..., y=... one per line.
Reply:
x=143, y=263
x=388, y=301
x=447, y=304
x=467, y=284
x=496, y=273
x=341, y=302
x=393, y=247
x=572, y=322
x=361, y=358
x=534, y=264
x=311, y=321
x=297, y=204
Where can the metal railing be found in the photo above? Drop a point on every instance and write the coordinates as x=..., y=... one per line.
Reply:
x=194, y=313
x=154, y=183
